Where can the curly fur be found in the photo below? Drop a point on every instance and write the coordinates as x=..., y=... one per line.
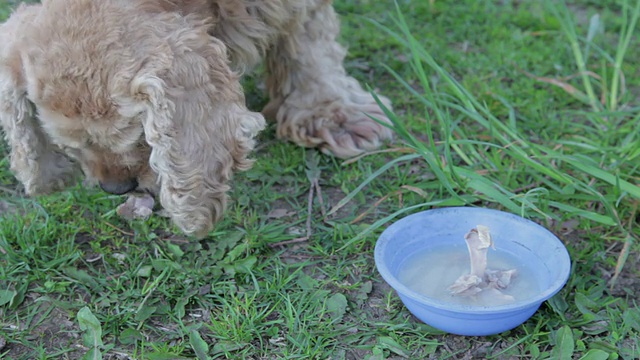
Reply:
x=36, y=162
x=147, y=92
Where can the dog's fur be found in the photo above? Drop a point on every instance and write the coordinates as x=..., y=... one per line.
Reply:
x=147, y=92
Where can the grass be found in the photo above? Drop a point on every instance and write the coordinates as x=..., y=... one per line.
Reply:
x=529, y=107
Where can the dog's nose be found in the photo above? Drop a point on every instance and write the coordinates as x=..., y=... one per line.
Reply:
x=119, y=187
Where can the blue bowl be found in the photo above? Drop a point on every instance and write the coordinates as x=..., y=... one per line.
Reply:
x=533, y=246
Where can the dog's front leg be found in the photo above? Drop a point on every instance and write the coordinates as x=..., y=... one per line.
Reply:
x=36, y=162
x=315, y=103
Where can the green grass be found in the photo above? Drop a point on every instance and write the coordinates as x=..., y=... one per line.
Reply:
x=520, y=106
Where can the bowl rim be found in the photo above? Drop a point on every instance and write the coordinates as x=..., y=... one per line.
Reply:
x=405, y=291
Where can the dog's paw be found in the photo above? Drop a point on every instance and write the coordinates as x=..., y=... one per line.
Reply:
x=342, y=128
x=55, y=172
x=349, y=131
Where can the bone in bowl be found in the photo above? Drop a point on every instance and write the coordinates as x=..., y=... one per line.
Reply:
x=424, y=254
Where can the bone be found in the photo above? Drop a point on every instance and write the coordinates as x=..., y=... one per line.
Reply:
x=478, y=242
x=481, y=281
x=137, y=207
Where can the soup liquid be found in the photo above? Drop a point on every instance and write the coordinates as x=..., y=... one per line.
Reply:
x=431, y=272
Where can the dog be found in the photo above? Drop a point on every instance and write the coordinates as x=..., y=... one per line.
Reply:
x=145, y=95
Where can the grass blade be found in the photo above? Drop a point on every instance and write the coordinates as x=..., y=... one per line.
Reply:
x=370, y=178
x=585, y=165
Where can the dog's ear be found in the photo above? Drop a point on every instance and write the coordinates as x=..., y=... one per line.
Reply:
x=198, y=127
x=37, y=163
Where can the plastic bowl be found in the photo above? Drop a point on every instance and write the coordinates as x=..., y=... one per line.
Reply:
x=532, y=245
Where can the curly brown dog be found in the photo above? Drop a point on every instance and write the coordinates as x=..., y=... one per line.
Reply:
x=144, y=95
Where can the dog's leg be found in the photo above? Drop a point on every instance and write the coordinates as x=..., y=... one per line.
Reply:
x=315, y=103
x=38, y=164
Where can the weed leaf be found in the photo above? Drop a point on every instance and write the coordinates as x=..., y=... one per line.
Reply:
x=179, y=309
x=622, y=259
x=144, y=271
x=306, y=282
x=164, y=264
x=559, y=305
x=595, y=354
x=130, y=336
x=392, y=345
x=230, y=240
x=378, y=354
x=163, y=356
x=82, y=277
x=363, y=293
x=631, y=317
x=175, y=250
x=564, y=344
x=245, y=265
x=226, y=346
x=92, y=335
x=18, y=298
x=198, y=345
x=145, y=313
x=604, y=346
x=337, y=306
x=584, y=305
x=93, y=354
x=235, y=253
x=6, y=296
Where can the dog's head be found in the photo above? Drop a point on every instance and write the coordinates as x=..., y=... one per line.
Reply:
x=142, y=100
